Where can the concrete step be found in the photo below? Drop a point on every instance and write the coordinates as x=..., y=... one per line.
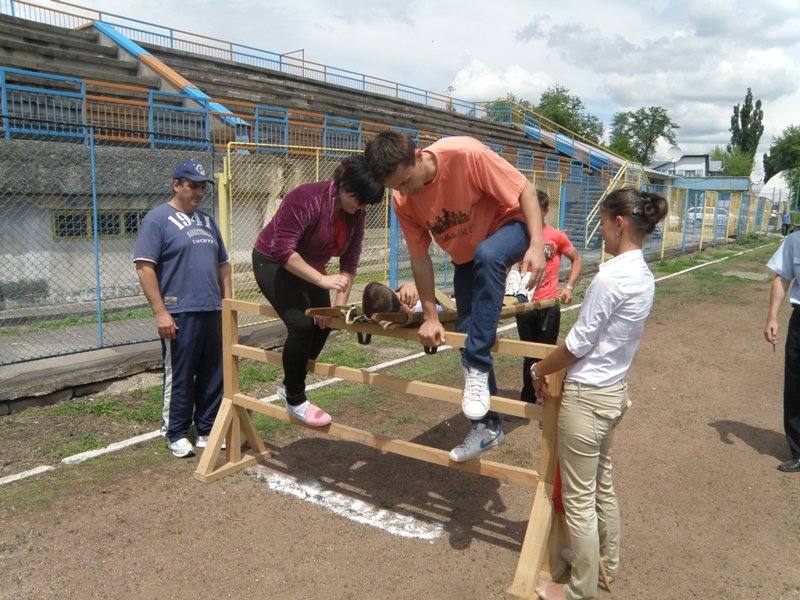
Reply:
x=12, y=47
x=63, y=40
x=42, y=64
x=87, y=34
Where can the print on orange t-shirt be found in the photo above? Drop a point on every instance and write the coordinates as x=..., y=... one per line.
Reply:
x=474, y=192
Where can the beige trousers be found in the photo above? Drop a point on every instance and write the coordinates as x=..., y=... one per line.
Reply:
x=586, y=423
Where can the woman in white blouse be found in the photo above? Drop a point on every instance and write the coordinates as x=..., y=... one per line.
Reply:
x=597, y=353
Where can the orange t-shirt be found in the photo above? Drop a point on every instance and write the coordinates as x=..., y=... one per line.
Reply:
x=475, y=191
x=556, y=243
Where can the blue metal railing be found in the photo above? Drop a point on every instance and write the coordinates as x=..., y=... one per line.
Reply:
x=496, y=148
x=525, y=159
x=412, y=133
x=339, y=132
x=271, y=127
x=33, y=109
x=176, y=126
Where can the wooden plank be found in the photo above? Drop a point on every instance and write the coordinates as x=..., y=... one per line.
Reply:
x=233, y=439
x=251, y=435
x=535, y=544
x=248, y=460
x=230, y=362
x=383, y=381
x=454, y=339
x=218, y=432
x=509, y=473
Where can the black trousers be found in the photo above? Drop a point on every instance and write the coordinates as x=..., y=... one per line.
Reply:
x=784, y=229
x=290, y=296
x=791, y=384
x=536, y=326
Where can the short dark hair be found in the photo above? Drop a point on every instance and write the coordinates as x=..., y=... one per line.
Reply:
x=387, y=151
x=644, y=209
x=353, y=176
x=378, y=298
x=543, y=198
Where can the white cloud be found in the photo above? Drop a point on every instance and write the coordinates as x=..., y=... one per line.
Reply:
x=478, y=81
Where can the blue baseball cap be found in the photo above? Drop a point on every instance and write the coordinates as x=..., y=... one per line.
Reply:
x=192, y=170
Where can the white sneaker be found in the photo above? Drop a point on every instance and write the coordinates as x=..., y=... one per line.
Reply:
x=202, y=442
x=182, y=448
x=476, y=399
x=281, y=391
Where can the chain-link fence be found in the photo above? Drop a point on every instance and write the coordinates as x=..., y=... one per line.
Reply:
x=72, y=198
x=71, y=211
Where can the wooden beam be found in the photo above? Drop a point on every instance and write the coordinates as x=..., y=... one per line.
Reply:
x=534, y=545
x=509, y=473
x=383, y=381
x=454, y=339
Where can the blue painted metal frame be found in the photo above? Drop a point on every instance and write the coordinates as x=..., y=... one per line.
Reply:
x=98, y=285
x=499, y=114
x=565, y=144
x=51, y=119
x=336, y=129
x=549, y=161
x=412, y=133
x=495, y=147
x=275, y=121
x=394, y=241
x=576, y=170
x=525, y=159
x=172, y=139
x=531, y=127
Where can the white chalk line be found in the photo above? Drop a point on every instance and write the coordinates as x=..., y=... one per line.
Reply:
x=77, y=458
x=311, y=490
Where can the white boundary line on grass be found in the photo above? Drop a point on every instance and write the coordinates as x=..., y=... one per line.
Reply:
x=78, y=458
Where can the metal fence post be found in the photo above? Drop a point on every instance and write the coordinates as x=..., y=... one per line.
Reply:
x=98, y=290
x=393, y=242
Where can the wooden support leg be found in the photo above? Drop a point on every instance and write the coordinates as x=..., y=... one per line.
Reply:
x=535, y=545
x=230, y=423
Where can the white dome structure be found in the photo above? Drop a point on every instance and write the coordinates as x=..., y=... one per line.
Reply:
x=777, y=188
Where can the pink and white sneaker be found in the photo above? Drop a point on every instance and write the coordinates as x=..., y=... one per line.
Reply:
x=310, y=414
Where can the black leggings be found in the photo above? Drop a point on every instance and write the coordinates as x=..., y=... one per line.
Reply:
x=290, y=296
x=536, y=326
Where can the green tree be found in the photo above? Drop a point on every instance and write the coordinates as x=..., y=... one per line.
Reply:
x=557, y=105
x=623, y=146
x=641, y=129
x=735, y=162
x=569, y=111
x=784, y=152
x=746, y=125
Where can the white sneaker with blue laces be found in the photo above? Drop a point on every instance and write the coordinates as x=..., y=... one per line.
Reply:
x=481, y=436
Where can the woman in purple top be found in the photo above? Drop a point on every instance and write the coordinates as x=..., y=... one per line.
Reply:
x=314, y=222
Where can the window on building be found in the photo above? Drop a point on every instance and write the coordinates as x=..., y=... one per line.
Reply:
x=74, y=224
x=71, y=224
x=132, y=221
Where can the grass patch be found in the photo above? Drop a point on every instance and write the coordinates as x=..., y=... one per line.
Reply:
x=253, y=374
x=673, y=265
x=335, y=396
x=63, y=446
x=269, y=426
x=345, y=351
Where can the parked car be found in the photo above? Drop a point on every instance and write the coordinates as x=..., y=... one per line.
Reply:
x=695, y=216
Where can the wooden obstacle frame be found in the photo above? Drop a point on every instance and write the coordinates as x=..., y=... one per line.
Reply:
x=544, y=535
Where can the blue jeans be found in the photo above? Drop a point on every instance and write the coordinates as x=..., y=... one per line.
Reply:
x=479, y=288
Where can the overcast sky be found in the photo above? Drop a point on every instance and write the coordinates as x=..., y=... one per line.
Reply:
x=695, y=57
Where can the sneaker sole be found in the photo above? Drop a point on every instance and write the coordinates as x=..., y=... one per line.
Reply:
x=495, y=442
x=474, y=416
x=187, y=455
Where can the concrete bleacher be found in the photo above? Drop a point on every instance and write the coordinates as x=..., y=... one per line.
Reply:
x=237, y=83
x=70, y=52
x=110, y=74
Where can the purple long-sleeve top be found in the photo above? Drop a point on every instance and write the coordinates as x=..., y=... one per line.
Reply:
x=303, y=223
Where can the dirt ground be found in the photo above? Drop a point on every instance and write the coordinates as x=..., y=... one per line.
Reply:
x=705, y=514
